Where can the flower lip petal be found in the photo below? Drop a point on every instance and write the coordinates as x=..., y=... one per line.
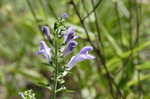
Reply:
x=76, y=37
x=40, y=52
x=86, y=49
x=83, y=55
x=45, y=50
x=43, y=45
x=90, y=57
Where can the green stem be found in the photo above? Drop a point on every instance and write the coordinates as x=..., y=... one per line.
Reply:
x=56, y=65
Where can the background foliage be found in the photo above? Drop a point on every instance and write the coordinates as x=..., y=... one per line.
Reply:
x=121, y=25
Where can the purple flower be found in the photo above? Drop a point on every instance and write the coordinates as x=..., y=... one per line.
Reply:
x=65, y=16
x=70, y=46
x=70, y=35
x=45, y=50
x=46, y=31
x=83, y=55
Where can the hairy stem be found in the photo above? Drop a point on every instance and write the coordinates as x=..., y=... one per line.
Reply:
x=55, y=63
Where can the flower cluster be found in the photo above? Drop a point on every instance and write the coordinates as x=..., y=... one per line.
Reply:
x=63, y=42
x=69, y=40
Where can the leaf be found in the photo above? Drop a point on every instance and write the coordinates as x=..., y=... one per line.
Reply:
x=32, y=75
x=111, y=40
x=135, y=82
x=144, y=66
x=112, y=64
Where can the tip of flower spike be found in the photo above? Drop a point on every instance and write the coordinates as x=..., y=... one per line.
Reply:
x=65, y=16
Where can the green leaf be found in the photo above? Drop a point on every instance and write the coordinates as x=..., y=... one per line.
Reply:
x=135, y=82
x=112, y=64
x=32, y=75
x=144, y=66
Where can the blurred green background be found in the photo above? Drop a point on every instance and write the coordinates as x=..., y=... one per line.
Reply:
x=127, y=59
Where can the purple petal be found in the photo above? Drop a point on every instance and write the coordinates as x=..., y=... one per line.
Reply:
x=86, y=49
x=45, y=50
x=71, y=45
x=43, y=45
x=75, y=59
x=70, y=34
x=76, y=37
x=46, y=31
x=83, y=55
x=40, y=52
x=71, y=29
x=90, y=57
x=71, y=63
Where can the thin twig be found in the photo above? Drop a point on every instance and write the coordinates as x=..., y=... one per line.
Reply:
x=138, y=25
x=86, y=12
x=95, y=7
x=32, y=11
x=98, y=52
x=85, y=8
x=119, y=22
x=100, y=41
x=51, y=9
x=35, y=17
x=82, y=23
x=130, y=22
x=97, y=26
x=43, y=7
